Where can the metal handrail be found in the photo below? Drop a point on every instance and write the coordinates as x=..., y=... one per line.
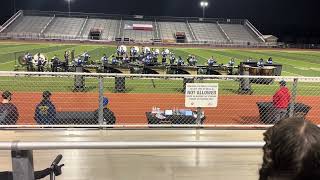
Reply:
x=23, y=146
x=15, y=73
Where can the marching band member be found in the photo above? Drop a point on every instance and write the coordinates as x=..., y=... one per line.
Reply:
x=66, y=59
x=260, y=63
x=180, y=61
x=192, y=61
x=164, y=56
x=231, y=62
x=114, y=60
x=104, y=59
x=40, y=63
x=85, y=57
x=55, y=63
x=126, y=59
x=28, y=57
x=172, y=59
x=211, y=61
x=270, y=61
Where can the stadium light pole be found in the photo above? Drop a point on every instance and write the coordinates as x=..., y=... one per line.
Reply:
x=204, y=5
x=69, y=6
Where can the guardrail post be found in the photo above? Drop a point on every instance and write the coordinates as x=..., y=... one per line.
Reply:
x=22, y=165
x=294, y=97
x=199, y=116
x=101, y=94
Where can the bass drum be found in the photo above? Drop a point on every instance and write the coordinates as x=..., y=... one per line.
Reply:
x=22, y=60
x=122, y=47
x=36, y=58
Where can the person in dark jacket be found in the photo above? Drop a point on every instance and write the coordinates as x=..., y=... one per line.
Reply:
x=108, y=115
x=8, y=112
x=45, y=111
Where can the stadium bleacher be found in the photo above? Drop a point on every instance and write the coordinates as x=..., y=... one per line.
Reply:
x=107, y=26
x=29, y=24
x=168, y=29
x=207, y=32
x=238, y=33
x=54, y=25
x=65, y=27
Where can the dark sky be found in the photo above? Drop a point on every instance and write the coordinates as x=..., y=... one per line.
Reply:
x=291, y=20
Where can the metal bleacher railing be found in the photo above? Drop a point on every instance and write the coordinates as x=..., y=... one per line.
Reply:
x=244, y=101
x=22, y=152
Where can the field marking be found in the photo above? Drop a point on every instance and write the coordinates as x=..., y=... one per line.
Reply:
x=7, y=62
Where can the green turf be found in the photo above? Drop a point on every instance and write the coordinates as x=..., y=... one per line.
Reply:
x=296, y=63
x=65, y=84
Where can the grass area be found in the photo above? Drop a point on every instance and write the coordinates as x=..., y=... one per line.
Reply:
x=296, y=63
x=65, y=84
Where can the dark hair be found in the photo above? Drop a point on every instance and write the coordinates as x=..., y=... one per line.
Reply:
x=6, y=94
x=46, y=94
x=292, y=151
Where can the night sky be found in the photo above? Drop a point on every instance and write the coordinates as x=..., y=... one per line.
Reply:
x=291, y=21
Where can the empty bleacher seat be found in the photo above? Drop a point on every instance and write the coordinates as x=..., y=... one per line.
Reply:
x=207, y=32
x=168, y=29
x=65, y=27
x=238, y=33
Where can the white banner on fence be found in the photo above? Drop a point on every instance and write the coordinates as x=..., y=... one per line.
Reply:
x=201, y=95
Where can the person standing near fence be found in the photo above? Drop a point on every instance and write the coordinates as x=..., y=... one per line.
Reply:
x=45, y=111
x=8, y=112
x=281, y=101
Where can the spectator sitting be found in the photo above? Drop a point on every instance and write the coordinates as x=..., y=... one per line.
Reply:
x=108, y=115
x=292, y=151
x=45, y=111
x=8, y=112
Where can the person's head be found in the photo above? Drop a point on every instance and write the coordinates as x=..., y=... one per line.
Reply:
x=292, y=151
x=105, y=102
x=283, y=83
x=7, y=95
x=46, y=95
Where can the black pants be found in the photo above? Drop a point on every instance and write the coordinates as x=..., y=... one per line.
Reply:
x=54, y=68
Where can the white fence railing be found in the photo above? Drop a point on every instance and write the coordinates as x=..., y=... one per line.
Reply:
x=78, y=98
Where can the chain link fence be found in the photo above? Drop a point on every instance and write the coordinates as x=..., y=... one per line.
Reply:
x=118, y=100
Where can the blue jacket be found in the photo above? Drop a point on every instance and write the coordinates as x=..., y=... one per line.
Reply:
x=45, y=113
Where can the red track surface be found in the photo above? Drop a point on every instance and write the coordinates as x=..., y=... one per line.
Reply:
x=131, y=108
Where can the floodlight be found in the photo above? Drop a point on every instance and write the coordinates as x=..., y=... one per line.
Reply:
x=204, y=5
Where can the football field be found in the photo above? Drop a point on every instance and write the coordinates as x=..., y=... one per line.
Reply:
x=295, y=62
